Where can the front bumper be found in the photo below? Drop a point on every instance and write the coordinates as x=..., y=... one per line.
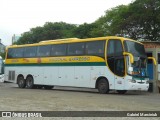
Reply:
x=138, y=85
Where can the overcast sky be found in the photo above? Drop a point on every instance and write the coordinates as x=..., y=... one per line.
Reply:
x=18, y=16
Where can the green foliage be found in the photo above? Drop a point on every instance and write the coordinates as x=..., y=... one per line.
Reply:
x=113, y=19
x=3, y=55
x=58, y=30
x=138, y=20
x=49, y=31
x=87, y=30
x=145, y=17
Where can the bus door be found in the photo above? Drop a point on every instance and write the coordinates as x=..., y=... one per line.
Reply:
x=115, y=61
x=119, y=70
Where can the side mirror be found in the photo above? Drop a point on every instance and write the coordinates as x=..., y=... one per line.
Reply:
x=154, y=60
x=130, y=55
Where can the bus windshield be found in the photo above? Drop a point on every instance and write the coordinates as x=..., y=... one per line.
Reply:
x=135, y=48
x=139, y=67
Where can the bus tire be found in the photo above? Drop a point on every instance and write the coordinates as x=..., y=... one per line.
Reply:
x=30, y=82
x=103, y=86
x=121, y=91
x=21, y=82
x=48, y=87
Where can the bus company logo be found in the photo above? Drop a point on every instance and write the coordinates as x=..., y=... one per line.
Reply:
x=39, y=60
x=79, y=59
x=6, y=114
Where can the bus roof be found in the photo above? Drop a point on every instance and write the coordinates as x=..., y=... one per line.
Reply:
x=70, y=40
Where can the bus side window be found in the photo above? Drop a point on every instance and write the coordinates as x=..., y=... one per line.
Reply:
x=19, y=52
x=95, y=48
x=43, y=51
x=10, y=53
x=30, y=52
x=110, y=48
x=76, y=49
x=86, y=49
x=100, y=51
x=58, y=50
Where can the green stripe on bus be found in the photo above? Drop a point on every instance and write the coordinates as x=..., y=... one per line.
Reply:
x=61, y=64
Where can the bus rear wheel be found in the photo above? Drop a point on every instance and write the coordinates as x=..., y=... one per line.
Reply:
x=29, y=82
x=103, y=86
x=121, y=91
x=21, y=82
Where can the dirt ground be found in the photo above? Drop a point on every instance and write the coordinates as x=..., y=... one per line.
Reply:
x=13, y=98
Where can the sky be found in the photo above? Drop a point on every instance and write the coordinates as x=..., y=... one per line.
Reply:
x=18, y=16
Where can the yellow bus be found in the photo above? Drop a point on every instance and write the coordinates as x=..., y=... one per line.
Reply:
x=104, y=63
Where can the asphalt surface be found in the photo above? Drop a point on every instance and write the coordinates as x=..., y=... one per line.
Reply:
x=13, y=98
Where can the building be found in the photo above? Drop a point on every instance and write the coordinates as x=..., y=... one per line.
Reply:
x=15, y=38
x=153, y=50
x=2, y=47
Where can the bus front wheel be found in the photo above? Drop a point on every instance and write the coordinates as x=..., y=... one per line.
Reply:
x=103, y=86
x=29, y=82
x=21, y=82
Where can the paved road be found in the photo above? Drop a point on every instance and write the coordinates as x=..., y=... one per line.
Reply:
x=13, y=98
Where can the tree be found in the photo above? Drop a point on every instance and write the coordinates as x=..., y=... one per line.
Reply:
x=83, y=31
x=144, y=19
x=49, y=31
x=138, y=20
x=111, y=22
